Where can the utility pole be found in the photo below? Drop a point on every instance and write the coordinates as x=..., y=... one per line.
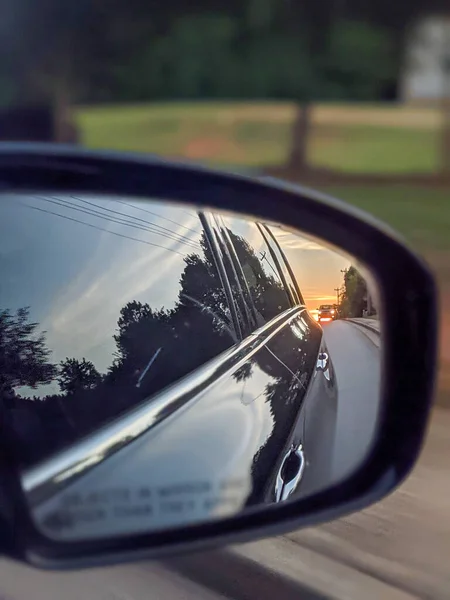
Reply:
x=337, y=290
x=369, y=304
x=263, y=256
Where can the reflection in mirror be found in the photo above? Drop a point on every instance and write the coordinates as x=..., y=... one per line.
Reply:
x=162, y=366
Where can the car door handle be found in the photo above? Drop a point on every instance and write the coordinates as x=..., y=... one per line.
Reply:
x=290, y=473
x=322, y=361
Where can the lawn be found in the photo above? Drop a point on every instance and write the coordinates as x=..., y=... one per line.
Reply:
x=421, y=215
x=352, y=138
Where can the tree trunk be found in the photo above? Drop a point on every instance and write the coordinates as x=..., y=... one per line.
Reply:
x=65, y=130
x=445, y=110
x=445, y=137
x=298, y=158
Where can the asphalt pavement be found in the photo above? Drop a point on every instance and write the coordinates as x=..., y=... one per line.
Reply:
x=356, y=355
x=263, y=570
x=144, y=581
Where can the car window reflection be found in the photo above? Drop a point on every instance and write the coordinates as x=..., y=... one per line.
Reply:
x=99, y=311
x=260, y=271
x=106, y=301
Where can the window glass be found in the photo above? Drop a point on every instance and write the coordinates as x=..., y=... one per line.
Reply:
x=317, y=269
x=288, y=278
x=260, y=271
x=111, y=300
x=246, y=315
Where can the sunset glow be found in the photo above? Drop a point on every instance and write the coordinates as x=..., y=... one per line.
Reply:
x=316, y=268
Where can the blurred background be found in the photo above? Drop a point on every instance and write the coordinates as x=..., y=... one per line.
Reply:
x=350, y=97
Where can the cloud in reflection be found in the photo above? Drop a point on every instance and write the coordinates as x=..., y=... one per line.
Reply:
x=76, y=278
x=116, y=273
x=317, y=267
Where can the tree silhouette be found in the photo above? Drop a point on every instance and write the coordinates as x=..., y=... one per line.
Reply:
x=24, y=361
x=201, y=285
x=156, y=346
x=267, y=296
x=76, y=375
x=354, y=297
x=24, y=357
x=140, y=330
x=142, y=339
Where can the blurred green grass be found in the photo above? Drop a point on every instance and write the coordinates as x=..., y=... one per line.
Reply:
x=420, y=214
x=372, y=149
x=353, y=139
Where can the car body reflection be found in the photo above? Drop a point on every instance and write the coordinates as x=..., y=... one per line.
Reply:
x=161, y=350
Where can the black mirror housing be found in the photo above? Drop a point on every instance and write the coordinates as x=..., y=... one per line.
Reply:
x=408, y=308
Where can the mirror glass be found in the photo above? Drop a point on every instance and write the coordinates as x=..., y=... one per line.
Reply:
x=163, y=365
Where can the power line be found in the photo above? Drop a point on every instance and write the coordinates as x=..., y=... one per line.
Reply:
x=72, y=206
x=157, y=215
x=189, y=213
x=175, y=236
x=264, y=257
x=127, y=237
x=135, y=218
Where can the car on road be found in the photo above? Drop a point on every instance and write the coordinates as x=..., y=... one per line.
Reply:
x=327, y=313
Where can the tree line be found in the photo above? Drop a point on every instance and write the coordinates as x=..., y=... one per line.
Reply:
x=142, y=50
x=354, y=296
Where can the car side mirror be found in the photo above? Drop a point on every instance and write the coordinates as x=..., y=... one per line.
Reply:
x=165, y=382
